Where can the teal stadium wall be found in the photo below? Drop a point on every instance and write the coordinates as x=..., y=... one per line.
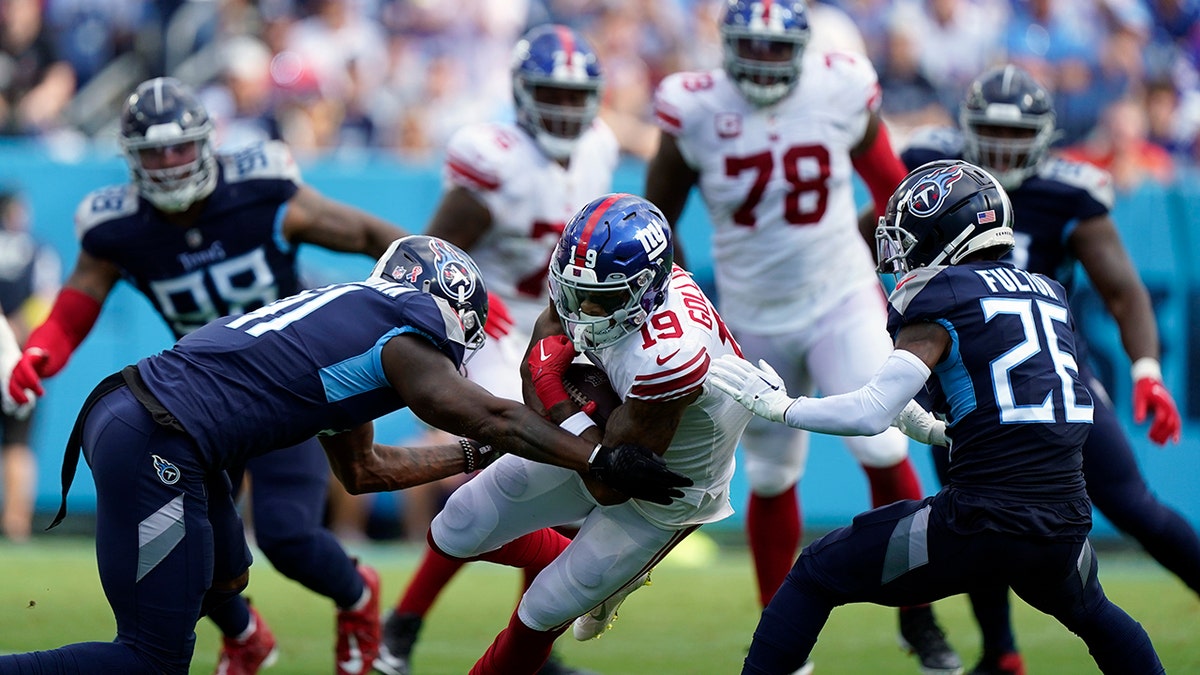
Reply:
x=1159, y=226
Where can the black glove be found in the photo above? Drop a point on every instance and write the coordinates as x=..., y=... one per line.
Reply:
x=637, y=472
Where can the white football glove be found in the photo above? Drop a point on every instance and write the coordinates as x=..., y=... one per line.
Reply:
x=760, y=390
x=921, y=426
x=10, y=354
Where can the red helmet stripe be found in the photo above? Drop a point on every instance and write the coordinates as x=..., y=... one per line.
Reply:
x=766, y=10
x=588, y=227
x=568, y=42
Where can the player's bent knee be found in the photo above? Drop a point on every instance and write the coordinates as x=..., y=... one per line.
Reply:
x=879, y=452
x=222, y=591
x=463, y=525
x=772, y=480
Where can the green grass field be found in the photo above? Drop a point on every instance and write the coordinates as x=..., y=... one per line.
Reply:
x=696, y=618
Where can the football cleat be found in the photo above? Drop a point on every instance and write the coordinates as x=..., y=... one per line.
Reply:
x=399, y=635
x=359, y=630
x=248, y=656
x=1008, y=663
x=921, y=636
x=596, y=622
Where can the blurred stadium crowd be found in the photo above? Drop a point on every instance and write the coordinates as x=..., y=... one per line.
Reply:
x=344, y=76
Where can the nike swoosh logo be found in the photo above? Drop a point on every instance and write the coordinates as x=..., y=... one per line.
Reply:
x=661, y=359
x=542, y=349
x=354, y=664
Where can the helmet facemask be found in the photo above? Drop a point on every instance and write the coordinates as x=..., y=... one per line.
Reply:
x=765, y=68
x=596, y=314
x=556, y=113
x=172, y=188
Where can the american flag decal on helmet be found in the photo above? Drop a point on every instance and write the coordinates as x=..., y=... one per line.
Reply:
x=985, y=217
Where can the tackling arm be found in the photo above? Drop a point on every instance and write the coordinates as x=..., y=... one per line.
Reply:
x=365, y=466
x=315, y=219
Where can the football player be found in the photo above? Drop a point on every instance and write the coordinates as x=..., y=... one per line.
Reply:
x=1061, y=213
x=158, y=434
x=618, y=298
x=204, y=234
x=510, y=189
x=996, y=344
x=772, y=141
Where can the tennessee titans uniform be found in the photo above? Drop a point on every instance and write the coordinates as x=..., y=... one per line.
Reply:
x=232, y=261
x=1047, y=208
x=254, y=384
x=1015, y=509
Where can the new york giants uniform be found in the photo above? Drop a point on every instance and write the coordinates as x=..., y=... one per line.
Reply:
x=1015, y=510
x=667, y=359
x=795, y=279
x=530, y=197
x=233, y=260
x=239, y=387
x=1047, y=208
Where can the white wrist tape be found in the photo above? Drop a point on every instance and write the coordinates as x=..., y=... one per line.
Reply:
x=578, y=423
x=1146, y=367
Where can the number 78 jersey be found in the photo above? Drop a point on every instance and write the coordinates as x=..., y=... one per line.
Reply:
x=1010, y=388
x=778, y=186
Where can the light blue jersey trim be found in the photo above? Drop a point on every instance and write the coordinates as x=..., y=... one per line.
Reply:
x=956, y=383
x=364, y=372
x=281, y=241
x=358, y=374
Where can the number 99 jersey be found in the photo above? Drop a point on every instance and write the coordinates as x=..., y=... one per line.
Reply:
x=1016, y=409
x=777, y=183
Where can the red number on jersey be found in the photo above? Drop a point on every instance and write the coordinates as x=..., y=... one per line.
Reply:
x=697, y=81
x=794, y=160
x=666, y=326
x=535, y=283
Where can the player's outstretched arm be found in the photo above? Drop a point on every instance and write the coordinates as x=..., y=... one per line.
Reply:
x=1098, y=246
x=71, y=318
x=315, y=219
x=440, y=396
x=364, y=466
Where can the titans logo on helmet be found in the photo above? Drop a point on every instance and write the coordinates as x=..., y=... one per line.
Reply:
x=926, y=197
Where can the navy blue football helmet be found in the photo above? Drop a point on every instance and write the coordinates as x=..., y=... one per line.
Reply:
x=164, y=112
x=443, y=270
x=764, y=45
x=1008, y=124
x=610, y=269
x=556, y=83
x=942, y=212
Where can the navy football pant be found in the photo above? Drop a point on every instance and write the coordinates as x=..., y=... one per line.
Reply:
x=1118, y=490
x=903, y=554
x=164, y=523
x=288, y=489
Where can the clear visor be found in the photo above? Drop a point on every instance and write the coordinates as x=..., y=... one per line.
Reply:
x=596, y=314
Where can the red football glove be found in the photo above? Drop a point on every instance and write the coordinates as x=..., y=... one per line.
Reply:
x=499, y=320
x=28, y=374
x=1150, y=396
x=548, y=361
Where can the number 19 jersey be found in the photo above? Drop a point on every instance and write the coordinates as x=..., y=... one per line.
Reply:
x=777, y=183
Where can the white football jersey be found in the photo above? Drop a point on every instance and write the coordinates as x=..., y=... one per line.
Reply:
x=531, y=197
x=669, y=358
x=778, y=185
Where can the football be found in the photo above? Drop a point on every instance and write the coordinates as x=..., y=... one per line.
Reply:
x=585, y=382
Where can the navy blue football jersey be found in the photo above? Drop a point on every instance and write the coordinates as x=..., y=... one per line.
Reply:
x=1010, y=390
x=305, y=365
x=233, y=260
x=1047, y=207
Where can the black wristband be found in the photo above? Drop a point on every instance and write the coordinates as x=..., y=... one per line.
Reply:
x=470, y=455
